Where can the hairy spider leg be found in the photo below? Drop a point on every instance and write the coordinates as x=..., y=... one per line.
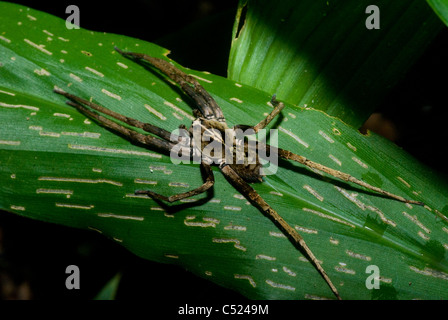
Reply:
x=278, y=107
x=209, y=182
x=244, y=188
x=151, y=141
x=144, y=139
x=288, y=155
x=285, y=154
x=162, y=133
x=204, y=101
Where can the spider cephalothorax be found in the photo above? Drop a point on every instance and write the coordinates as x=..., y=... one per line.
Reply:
x=211, y=142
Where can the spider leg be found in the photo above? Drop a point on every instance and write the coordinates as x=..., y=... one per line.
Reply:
x=164, y=134
x=285, y=154
x=209, y=182
x=278, y=107
x=131, y=134
x=204, y=101
x=244, y=188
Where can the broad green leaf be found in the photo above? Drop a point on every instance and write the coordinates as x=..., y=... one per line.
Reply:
x=320, y=54
x=441, y=8
x=58, y=166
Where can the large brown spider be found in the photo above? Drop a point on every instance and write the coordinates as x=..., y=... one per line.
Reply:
x=211, y=118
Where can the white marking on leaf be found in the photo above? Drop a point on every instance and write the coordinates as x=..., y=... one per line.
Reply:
x=276, y=234
x=84, y=134
x=5, y=39
x=246, y=277
x=117, y=151
x=177, y=109
x=236, y=242
x=62, y=115
x=358, y=255
x=279, y=285
x=404, y=182
x=74, y=206
x=292, y=135
x=325, y=216
x=6, y=105
x=117, y=216
x=235, y=227
x=358, y=161
x=415, y=220
x=80, y=180
x=201, y=224
x=236, y=100
x=19, y=208
x=48, y=33
x=10, y=142
x=265, y=257
x=179, y=184
x=430, y=272
x=110, y=94
x=143, y=181
x=232, y=208
x=351, y=146
x=49, y=134
x=54, y=191
x=305, y=230
x=95, y=72
x=155, y=112
x=122, y=65
x=289, y=272
x=325, y=136
x=39, y=47
x=8, y=93
x=313, y=192
x=75, y=77
x=336, y=160
x=345, y=270
x=199, y=78
x=42, y=72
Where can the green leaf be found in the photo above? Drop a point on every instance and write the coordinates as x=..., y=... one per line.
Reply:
x=440, y=7
x=321, y=55
x=109, y=291
x=58, y=166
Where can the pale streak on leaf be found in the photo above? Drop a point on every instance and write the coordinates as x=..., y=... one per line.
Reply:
x=74, y=206
x=246, y=277
x=111, y=150
x=280, y=285
x=118, y=216
x=80, y=180
x=236, y=242
x=292, y=135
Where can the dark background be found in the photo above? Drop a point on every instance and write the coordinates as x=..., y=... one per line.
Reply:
x=34, y=255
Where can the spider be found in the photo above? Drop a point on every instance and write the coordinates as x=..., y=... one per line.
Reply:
x=209, y=117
